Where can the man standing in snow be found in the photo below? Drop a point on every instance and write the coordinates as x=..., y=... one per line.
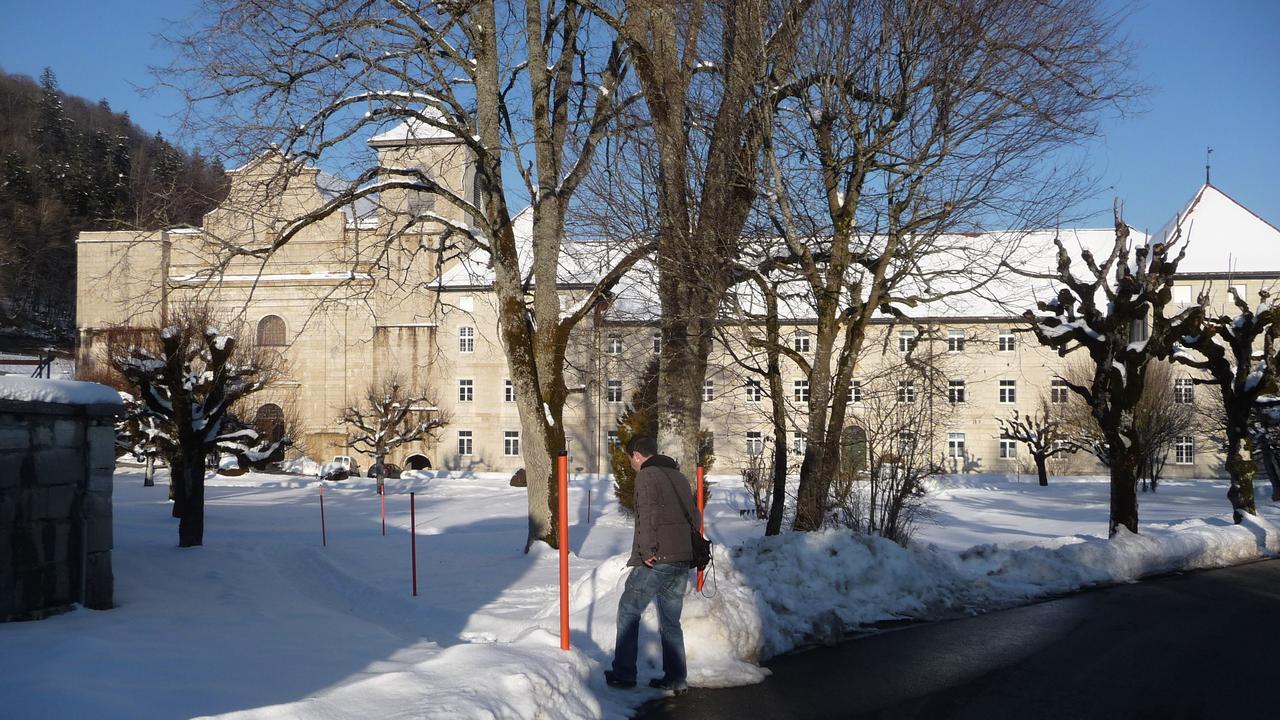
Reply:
x=661, y=555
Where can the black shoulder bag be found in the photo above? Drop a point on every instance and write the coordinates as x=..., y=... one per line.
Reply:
x=700, y=544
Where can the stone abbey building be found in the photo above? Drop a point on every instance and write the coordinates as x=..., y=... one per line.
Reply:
x=359, y=295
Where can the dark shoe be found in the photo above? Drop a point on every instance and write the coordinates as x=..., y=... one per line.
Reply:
x=614, y=681
x=677, y=687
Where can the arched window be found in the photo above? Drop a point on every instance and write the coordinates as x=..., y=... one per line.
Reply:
x=269, y=422
x=271, y=331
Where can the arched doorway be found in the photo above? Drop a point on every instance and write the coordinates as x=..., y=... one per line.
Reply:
x=269, y=422
x=418, y=461
x=853, y=451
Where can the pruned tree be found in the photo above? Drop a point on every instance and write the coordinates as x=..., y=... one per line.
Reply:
x=1116, y=314
x=190, y=386
x=1043, y=434
x=896, y=137
x=139, y=433
x=525, y=90
x=390, y=415
x=1237, y=353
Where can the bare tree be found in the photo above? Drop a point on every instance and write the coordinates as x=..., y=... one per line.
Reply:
x=1117, y=315
x=190, y=386
x=900, y=432
x=527, y=90
x=709, y=75
x=1043, y=434
x=1226, y=349
x=906, y=126
x=391, y=415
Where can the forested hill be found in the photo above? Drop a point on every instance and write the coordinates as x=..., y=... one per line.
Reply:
x=69, y=164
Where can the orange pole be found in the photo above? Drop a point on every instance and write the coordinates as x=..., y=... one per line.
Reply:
x=702, y=521
x=324, y=536
x=562, y=482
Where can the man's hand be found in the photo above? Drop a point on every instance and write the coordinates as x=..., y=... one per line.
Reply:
x=650, y=561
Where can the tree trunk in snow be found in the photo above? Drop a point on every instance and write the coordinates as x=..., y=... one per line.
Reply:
x=1267, y=456
x=1041, y=470
x=1124, y=484
x=149, y=473
x=1240, y=494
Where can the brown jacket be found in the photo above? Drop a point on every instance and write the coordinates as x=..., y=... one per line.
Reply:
x=662, y=529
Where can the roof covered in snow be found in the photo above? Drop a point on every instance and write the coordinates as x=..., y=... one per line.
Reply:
x=1224, y=236
x=413, y=131
x=62, y=392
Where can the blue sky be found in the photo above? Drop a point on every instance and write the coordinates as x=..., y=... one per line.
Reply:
x=1213, y=67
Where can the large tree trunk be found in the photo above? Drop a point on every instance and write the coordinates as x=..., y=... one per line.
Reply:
x=149, y=473
x=1041, y=470
x=1124, y=484
x=1240, y=494
x=681, y=371
x=188, y=503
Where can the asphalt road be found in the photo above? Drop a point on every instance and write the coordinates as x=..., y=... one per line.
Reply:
x=1197, y=645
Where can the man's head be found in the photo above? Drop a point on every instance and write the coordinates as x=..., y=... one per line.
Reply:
x=639, y=449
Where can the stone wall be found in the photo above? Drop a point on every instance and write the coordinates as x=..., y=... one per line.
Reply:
x=56, y=466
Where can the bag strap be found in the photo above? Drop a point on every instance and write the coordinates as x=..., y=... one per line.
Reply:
x=688, y=516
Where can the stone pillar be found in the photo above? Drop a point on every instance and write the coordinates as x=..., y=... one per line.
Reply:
x=57, y=460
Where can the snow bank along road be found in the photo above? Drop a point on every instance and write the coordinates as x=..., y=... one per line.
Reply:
x=1200, y=645
x=264, y=622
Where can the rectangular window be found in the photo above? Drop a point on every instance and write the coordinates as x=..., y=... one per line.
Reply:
x=906, y=340
x=466, y=390
x=1008, y=448
x=613, y=391
x=1184, y=450
x=464, y=442
x=798, y=442
x=508, y=392
x=855, y=392
x=755, y=442
x=906, y=442
x=1058, y=391
x=955, y=446
x=955, y=391
x=708, y=390
x=611, y=439
x=800, y=390
x=754, y=391
x=1008, y=341
x=801, y=341
x=511, y=443
x=466, y=339
x=906, y=391
x=1008, y=391
x=657, y=343
x=955, y=341
x=1183, y=391
x=613, y=345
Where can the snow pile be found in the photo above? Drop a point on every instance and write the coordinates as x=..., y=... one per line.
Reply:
x=68, y=392
x=274, y=624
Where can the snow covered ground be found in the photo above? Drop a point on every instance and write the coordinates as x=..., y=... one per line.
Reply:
x=265, y=622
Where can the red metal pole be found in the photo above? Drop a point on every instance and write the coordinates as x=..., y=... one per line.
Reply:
x=324, y=536
x=702, y=520
x=383, y=497
x=588, y=506
x=562, y=482
x=413, y=544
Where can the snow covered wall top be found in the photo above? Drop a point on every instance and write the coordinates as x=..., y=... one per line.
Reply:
x=65, y=392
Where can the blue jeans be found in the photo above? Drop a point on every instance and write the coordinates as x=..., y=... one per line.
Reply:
x=666, y=582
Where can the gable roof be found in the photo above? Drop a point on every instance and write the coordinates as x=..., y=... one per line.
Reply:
x=1224, y=236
